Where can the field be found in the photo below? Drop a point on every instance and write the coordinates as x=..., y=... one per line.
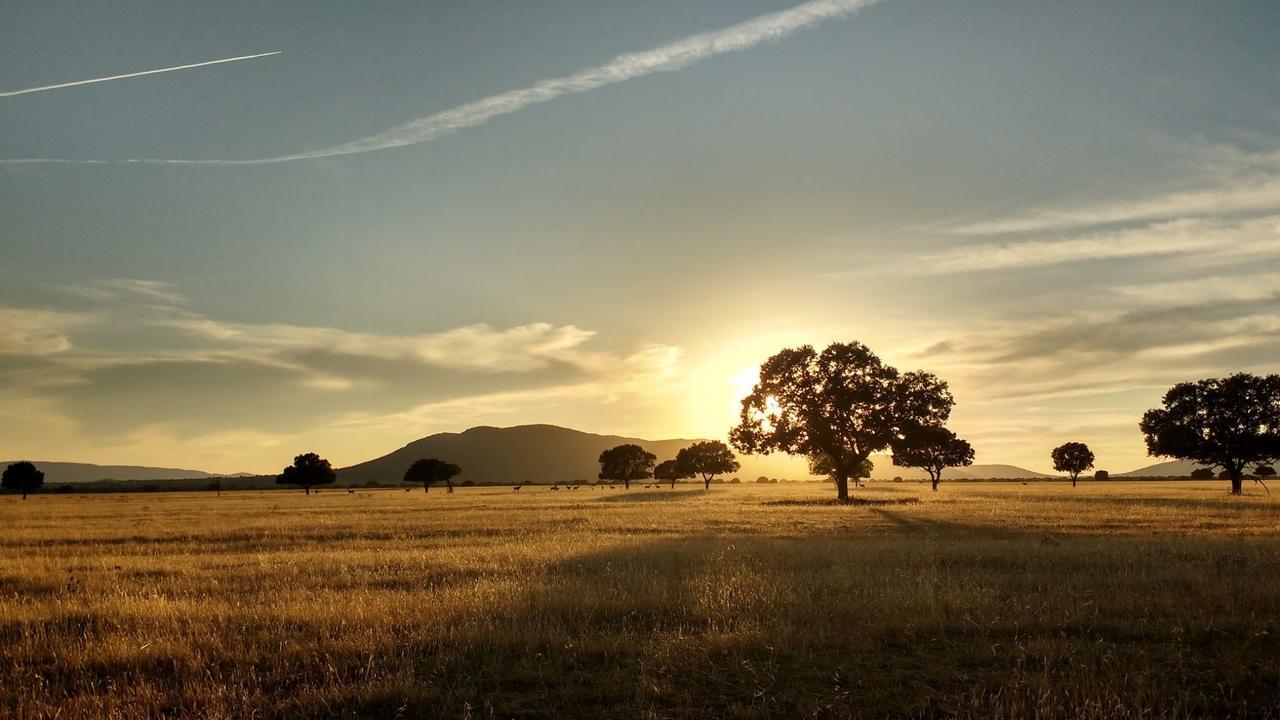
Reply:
x=1111, y=600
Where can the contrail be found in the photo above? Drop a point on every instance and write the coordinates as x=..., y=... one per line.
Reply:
x=109, y=78
x=666, y=58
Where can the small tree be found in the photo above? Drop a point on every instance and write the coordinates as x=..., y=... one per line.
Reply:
x=625, y=463
x=1102, y=475
x=307, y=471
x=1202, y=474
x=430, y=471
x=707, y=459
x=1072, y=458
x=671, y=470
x=836, y=408
x=1228, y=423
x=932, y=449
x=22, y=477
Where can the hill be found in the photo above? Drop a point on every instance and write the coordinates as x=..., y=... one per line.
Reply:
x=548, y=453
x=1173, y=468
x=67, y=472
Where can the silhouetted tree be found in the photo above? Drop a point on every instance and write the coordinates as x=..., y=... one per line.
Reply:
x=932, y=448
x=22, y=477
x=708, y=459
x=1072, y=458
x=836, y=408
x=1227, y=423
x=626, y=463
x=1202, y=474
x=1102, y=475
x=1264, y=471
x=307, y=471
x=821, y=466
x=671, y=470
x=430, y=471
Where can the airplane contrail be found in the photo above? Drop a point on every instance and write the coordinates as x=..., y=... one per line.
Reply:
x=666, y=58
x=43, y=88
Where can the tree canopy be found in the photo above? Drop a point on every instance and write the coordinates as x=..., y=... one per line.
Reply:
x=1228, y=423
x=932, y=448
x=670, y=470
x=836, y=408
x=708, y=459
x=307, y=471
x=432, y=470
x=1072, y=458
x=625, y=463
x=22, y=477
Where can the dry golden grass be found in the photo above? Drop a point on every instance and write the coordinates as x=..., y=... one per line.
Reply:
x=984, y=600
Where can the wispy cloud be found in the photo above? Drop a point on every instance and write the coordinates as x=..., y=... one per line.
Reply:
x=1207, y=238
x=1231, y=182
x=666, y=58
x=28, y=331
x=126, y=76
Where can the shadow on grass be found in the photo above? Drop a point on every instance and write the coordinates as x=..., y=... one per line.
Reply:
x=851, y=502
x=653, y=495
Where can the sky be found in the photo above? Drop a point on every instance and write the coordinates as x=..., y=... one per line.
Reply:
x=418, y=217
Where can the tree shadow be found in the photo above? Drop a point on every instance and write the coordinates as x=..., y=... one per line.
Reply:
x=652, y=495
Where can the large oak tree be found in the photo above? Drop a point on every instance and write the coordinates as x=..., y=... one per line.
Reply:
x=431, y=470
x=307, y=471
x=23, y=477
x=708, y=459
x=933, y=449
x=836, y=408
x=1228, y=423
x=1072, y=458
x=625, y=463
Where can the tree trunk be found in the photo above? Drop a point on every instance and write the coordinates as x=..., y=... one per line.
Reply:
x=1237, y=481
x=24, y=494
x=935, y=483
x=449, y=484
x=673, y=483
x=626, y=483
x=306, y=489
x=1073, y=480
x=706, y=482
x=425, y=489
x=842, y=488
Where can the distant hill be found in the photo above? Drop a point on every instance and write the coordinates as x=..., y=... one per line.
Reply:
x=548, y=453
x=65, y=472
x=1174, y=468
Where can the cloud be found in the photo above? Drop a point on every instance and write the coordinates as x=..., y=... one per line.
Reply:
x=1230, y=183
x=1209, y=239
x=109, y=78
x=666, y=58
x=26, y=331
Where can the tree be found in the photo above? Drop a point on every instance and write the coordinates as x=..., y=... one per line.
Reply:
x=932, y=448
x=708, y=459
x=671, y=470
x=1102, y=475
x=625, y=463
x=430, y=471
x=1072, y=458
x=307, y=471
x=1264, y=471
x=1227, y=423
x=22, y=477
x=836, y=408
x=1202, y=474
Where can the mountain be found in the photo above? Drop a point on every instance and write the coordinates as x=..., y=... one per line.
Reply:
x=64, y=472
x=1174, y=468
x=547, y=453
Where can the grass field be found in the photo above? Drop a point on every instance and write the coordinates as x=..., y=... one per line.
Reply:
x=1110, y=600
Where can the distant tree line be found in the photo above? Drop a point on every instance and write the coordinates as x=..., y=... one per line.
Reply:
x=839, y=406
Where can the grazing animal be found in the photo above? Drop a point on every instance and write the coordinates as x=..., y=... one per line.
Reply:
x=516, y=488
x=407, y=489
x=351, y=491
x=555, y=487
